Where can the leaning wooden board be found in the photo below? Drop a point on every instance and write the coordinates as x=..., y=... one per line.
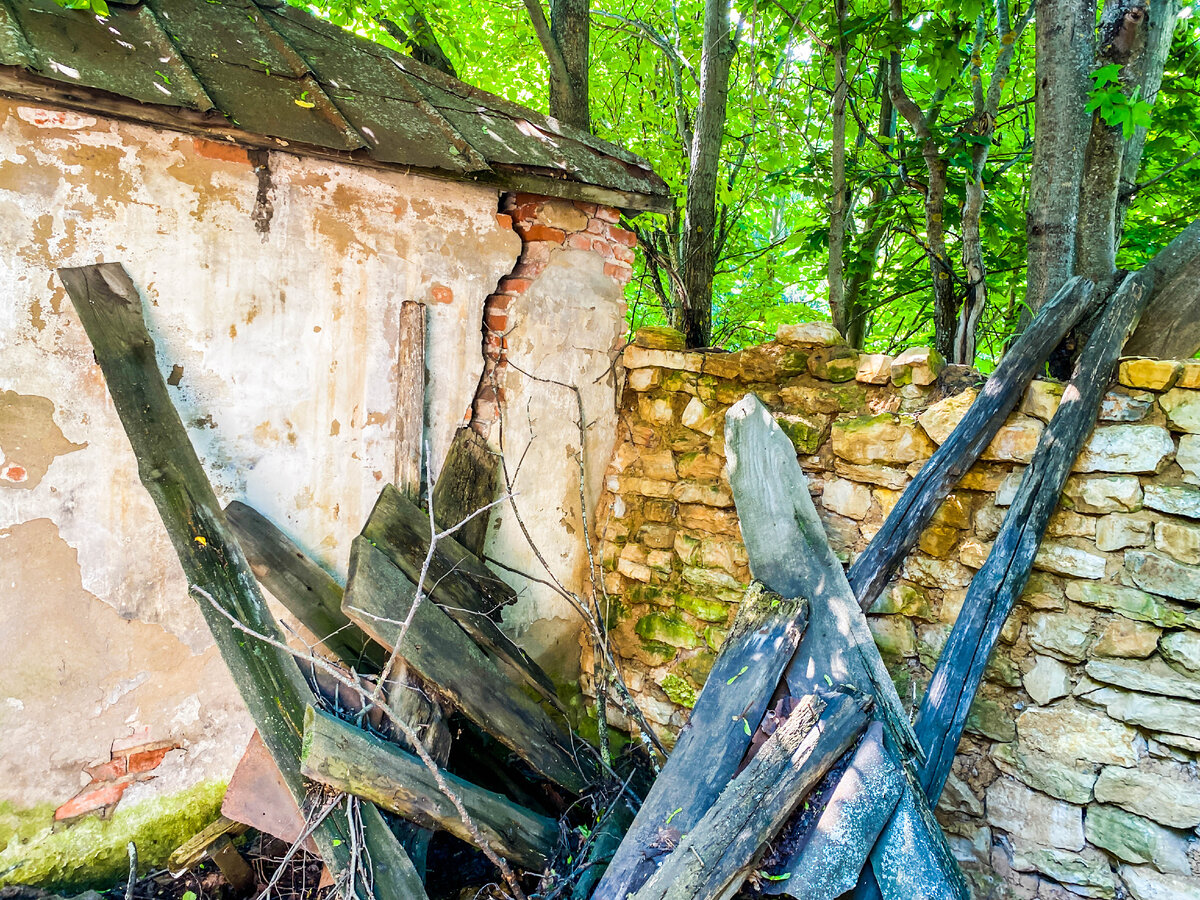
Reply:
x=268, y=679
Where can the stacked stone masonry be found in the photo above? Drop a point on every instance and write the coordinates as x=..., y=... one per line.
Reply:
x=1078, y=775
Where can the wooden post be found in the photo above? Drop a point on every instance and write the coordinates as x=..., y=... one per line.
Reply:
x=714, y=857
x=267, y=678
x=350, y=760
x=715, y=740
x=995, y=587
x=410, y=398
x=877, y=564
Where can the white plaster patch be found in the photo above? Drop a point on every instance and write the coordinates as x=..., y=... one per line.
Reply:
x=54, y=118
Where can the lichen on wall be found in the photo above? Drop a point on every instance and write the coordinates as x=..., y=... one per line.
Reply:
x=1079, y=773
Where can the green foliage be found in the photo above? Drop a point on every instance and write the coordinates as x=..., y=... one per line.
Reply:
x=1115, y=108
x=99, y=7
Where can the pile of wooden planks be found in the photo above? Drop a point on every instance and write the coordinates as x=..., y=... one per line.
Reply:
x=799, y=771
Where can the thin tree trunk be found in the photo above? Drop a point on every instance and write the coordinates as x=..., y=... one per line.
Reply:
x=837, y=200
x=570, y=28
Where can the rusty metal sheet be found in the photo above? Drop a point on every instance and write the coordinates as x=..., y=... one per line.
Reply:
x=258, y=797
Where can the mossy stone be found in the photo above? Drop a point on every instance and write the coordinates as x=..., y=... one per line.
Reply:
x=666, y=629
x=698, y=667
x=805, y=432
x=678, y=690
x=715, y=637
x=991, y=719
x=703, y=609
x=660, y=337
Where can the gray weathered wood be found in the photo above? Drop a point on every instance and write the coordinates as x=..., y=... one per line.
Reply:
x=995, y=587
x=1170, y=328
x=467, y=482
x=790, y=554
x=714, y=858
x=409, y=414
x=838, y=843
x=379, y=596
x=267, y=678
x=350, y=760
x=462, y=585
x=713, y=743
x=877, y=564
x=308, y=591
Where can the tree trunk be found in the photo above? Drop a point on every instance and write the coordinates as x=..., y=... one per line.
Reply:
x=837, y=190
x=570, y=28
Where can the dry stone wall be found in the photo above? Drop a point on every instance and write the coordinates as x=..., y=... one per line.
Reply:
x=1078, y=774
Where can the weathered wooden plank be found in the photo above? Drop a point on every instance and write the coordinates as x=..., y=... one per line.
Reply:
x=714, y=858
x=378, y=595
x=409, y=414
x=713, y=743
x=308, y=591
x=994, y=589
x=463, y=586
x=790, y=554
x=877, y=564
x=350, y=760
x=468, y=481
x=267, y=678
x=1170, y=328
x=840, y=841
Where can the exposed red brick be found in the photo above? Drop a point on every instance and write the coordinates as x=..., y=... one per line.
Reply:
x=512, y=285
x=504, y=221
x=498, y=301
x=621, y=236
x=525, y=213
x=580, y=240
x=537, y=251
x=221, y=150
x=96, y=795
x=603, y=247
x=496, y=320
x=596, y=226
x=589, y=208
x=441, y=294
x=108, y=771
x=618, y=271
x=608, y=214
x=539, y=232
x=144, y=760
x=624, y=254
x=522, y=198
x=528, y=269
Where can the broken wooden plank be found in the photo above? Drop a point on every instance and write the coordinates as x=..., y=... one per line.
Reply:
x=1170, y=329
x=713, y=859
x=706, y=756
x=308, y=591
x=192, y=852
x=456, y=580
x=995, y=587
x=267, y=677
x=352, y=761
x=838, y=843
x=379, y=596
x=468, y=481
x=790, y=554
x=409, y=414
x=914, y=510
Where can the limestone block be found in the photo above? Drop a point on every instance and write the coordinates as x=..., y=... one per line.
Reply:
x=667, y=629
x=1180, y=541
x=1067, y=780
x=874, y=368
x=841, y=531
x=1086, y=873
x=1182, y=408
x=1069, y=732
x=1129, y=602
x=644, y=379
x=1189, y=376
x=643, y=487
x=973, y=553
x=837, y=363
x=1063, y=559
x=656, y=410
x=1047, y=681
x=708, y=494
x=1161, y=790
x=847, y=498
x=919, y=366
x=957, y=796
x=806, y=432
x=1153, y=712
x=988, y=520
x=722, y=554
x=1016, y=440
x=954, y=511
x=931, y=640
x=635, y=570
x=936, y=573
x=1126, y=449
x=883, y=476
x=1035, y=818
x=713, y=579
x=700, y=466
x=1148, y=374
x=1143, y=883
x=1060, y=634
x=1133, y=839
x=941, y=418
x=1106, y=494
x=1041, y=399
x=708, y=519
x=704, y=608
x=1007, y=492
x=938, y=540
x=659, y=464
x=992, y=719
x=808, y=334
x=658, y=337
x=1126, y=638
x=1117, y=531
x=699, y=417
x=983, y=477
x=889, y=438
x=1162, y=575
x=1124, y=405
x=1152, y=676
x=893, y=635
x=807, y=395
x=657, y=536
x=1176, y=499
x=1188, y=457
x=1182, y=650
x=1065, y=523
x=1043, y=591
x=905, y=600
x=636, y=357
x=886, y=499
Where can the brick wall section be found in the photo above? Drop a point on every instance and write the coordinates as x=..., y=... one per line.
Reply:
x=1078, y=773
x=546, y=226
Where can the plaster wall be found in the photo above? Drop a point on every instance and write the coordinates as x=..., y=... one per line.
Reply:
x=272, y=292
